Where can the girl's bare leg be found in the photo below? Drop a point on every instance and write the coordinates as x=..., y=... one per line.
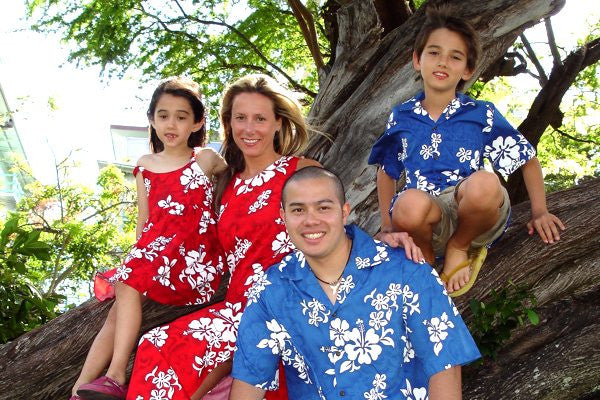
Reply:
x=100, y=352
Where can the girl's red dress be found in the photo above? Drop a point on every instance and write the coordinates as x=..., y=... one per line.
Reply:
x=177, y=259
x=173, y=360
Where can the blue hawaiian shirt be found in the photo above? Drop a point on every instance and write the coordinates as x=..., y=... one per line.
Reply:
x=392, y=327
x=437, y=154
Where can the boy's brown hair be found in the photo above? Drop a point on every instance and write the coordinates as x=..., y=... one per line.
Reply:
x=441, y=16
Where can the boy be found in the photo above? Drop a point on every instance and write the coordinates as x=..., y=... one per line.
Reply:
x=439, y=138
x=348, y=317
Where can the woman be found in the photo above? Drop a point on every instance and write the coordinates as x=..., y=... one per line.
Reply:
x=263, y=131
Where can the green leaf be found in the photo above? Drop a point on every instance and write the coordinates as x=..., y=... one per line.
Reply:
x=534, y=318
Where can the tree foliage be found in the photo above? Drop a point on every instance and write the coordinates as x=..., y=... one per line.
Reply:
x=83, y=229
x=22, y=306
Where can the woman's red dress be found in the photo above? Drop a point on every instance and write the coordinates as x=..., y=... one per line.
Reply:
x=172, y=360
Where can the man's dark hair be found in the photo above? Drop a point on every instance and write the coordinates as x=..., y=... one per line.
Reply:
x=442, y=16
x=314, y=172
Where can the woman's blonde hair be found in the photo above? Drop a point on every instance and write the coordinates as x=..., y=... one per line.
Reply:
x=290, y=140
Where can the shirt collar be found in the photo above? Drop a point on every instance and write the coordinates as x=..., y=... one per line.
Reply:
x=366, y=253
x=415, y=102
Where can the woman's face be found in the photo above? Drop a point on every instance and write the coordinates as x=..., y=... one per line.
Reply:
x=253, y=123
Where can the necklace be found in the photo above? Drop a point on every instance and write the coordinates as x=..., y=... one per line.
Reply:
x=334, y=285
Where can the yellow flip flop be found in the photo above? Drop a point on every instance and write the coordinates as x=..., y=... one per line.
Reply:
x=475, y=263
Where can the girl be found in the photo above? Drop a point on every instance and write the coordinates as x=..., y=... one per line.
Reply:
x=177, y=258
x=263, y=131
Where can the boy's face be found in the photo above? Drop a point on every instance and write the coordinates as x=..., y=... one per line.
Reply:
x=443, y=62
x=315, y=219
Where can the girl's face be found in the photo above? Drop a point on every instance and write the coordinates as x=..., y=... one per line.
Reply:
x=443, y=62
x=173, y=120
x=253, y=123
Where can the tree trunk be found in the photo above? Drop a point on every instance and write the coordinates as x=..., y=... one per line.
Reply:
x=371, y=73
x=43, y=364
x=554, y=360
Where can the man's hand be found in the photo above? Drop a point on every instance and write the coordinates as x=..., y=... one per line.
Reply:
x=547, y=226
x=403, y=239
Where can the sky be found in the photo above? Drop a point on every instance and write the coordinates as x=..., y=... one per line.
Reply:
x=34, y=68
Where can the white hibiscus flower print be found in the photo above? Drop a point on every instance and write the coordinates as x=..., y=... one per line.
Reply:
x=437, y=329
x=277, y=339
x=489, y=114
x=192, y=178
x=504, y=153
x=174, y=207
x=338, y=331
x=282, y=243
x=390, y=121
x=411, y=393
x=164, y=273
x=362, y=346
x=426, y=152
x=463, y=154
x=157, y=336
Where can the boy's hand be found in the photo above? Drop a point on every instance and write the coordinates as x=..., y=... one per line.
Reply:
x=547, y=226
x=402, y=239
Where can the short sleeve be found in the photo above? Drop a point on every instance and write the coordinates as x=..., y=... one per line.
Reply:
x=505, y=147
x=256, y=357
x=436, y=331
x=388, y=148
x=136, y=170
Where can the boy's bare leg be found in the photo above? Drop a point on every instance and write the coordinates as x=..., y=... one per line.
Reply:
x=212, y=379
x=479, y=200
x=417, y=214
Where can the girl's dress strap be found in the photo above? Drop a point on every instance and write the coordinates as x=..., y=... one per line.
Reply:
x=137, y=169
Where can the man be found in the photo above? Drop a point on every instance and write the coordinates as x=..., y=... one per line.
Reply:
x=348, y=316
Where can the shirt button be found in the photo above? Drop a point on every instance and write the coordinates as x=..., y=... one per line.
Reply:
x=342, y=393
x=337, y=353
x=334, y=315
x=436, y=156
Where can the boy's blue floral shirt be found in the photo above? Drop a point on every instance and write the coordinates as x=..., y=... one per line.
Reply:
x=392, y=327
x=437, y=154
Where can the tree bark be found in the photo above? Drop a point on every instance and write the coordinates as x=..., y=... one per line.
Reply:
x=559, y=358
x=43, y=364
x=554, y=360
x=372, y=72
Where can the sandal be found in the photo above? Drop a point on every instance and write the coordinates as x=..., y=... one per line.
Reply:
x=474, y=263
x=75, y=397
x=103, y=388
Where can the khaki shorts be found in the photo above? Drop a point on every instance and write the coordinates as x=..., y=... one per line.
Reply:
x=447, y=225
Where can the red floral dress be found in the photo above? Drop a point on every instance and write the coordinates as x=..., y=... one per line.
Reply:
x=177, y=259
x=172, y=360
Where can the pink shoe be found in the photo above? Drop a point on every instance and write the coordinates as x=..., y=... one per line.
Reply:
x=103, y=388
x=75, y=397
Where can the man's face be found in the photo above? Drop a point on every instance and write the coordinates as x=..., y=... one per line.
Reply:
x=315, y=219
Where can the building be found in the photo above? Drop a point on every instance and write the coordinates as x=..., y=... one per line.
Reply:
x=11, y=182
x=129, y=143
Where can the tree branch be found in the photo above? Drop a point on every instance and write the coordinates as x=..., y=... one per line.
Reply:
x=307, y=26
x=238, y=33
x=106, y=209
x=531, y=54
x=552, y=42
x=565, y=134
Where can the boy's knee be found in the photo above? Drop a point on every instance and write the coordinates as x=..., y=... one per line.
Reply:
x=483, y=190
x=411, y=210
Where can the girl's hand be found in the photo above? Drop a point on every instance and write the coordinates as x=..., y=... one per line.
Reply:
x=403, y=239
x=547, y=226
